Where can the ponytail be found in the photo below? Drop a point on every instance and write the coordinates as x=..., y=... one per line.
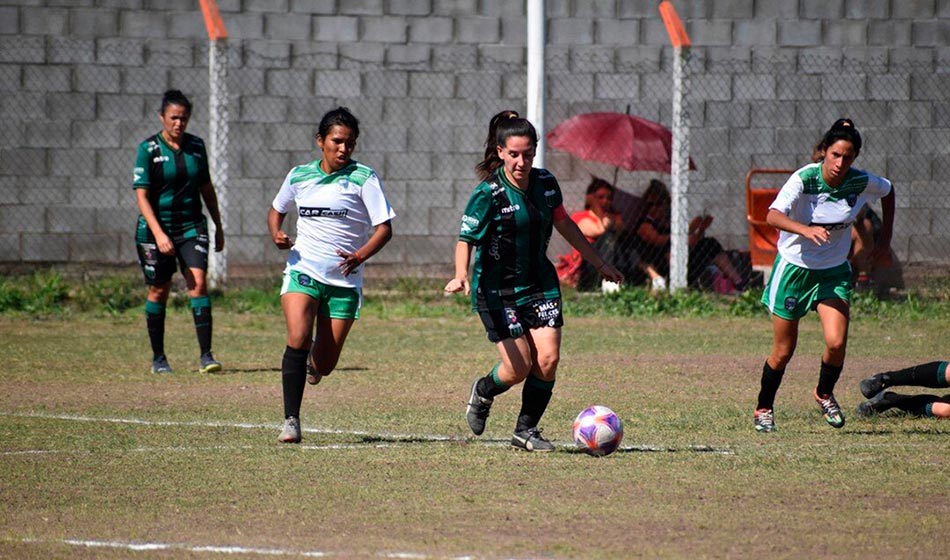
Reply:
x=842, y=129
x=501, y=127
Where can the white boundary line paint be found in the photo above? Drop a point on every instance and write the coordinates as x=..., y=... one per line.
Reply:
x=227, y=549
x=389, y=439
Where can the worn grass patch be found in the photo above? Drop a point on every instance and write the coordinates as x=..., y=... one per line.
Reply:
x=94, y=448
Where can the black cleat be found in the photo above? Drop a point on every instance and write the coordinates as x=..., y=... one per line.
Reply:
x=871, y=386
x=531, y=440
x=477, y=411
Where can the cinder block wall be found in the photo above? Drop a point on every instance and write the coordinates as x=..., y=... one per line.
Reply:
x=80, y=83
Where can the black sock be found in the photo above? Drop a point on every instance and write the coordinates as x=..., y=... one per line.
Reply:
x=201, y=312
x=918, y=405
x=294, y=377
x=491, y=385
x=155, y=323
x=932, y=374
x=535, y=396
x=771, y=379
x=827, y=377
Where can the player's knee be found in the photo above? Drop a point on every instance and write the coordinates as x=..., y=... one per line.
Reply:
x=547, y=363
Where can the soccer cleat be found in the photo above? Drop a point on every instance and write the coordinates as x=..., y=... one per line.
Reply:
x=160, y=365
x=764, y=420
x=291, y=431
x=531, y=440
x=477, y=411
x=830, y=410
x=312, y=376
x=876, y=404
x=209, y=364
x=871, y=386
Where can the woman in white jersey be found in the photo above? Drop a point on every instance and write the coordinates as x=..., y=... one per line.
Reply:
x=343, y=218
x=814, y=211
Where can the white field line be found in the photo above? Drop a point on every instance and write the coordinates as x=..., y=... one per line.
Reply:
x=227, y=549
x=388, y=439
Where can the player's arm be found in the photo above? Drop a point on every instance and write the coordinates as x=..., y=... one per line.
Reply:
x=280, y=238
x=569, y=230
x=882, y=247
x=459, y=283
x=380, y=237
x=164, y=243
x=817, y=234
x=650, y=235
x=211, y=203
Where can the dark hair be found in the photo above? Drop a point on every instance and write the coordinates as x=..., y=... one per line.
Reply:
x=842, y=129
x=502, y=126
x=174, y=97
x=596, y=183
x=340, y=116
x=655, y=193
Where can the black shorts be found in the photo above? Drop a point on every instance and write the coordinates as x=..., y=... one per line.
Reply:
x=514, y=322
x=158, y=268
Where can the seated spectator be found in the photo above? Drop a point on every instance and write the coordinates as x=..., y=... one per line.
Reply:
x=603, y=227
x=653, y=243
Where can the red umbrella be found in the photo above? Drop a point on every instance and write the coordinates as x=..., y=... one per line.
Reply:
x=626, y=141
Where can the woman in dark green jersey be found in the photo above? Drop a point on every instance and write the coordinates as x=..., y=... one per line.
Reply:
x=515, y=290
x=171, y=178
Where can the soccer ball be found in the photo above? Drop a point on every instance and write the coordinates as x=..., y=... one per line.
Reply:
x=598, y=431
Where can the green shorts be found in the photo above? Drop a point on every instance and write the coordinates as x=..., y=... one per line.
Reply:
x=792, y=290
x=335, y=302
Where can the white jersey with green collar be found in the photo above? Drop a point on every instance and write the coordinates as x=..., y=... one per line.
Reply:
x=334, y=211
x=807, y=199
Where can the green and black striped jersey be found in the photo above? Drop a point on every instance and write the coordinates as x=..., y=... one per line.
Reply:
x=510, y=230
x=174, y=179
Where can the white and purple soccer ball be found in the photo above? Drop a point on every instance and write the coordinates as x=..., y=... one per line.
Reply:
x=598, y=431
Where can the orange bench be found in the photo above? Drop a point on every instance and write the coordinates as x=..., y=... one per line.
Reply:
x=760, y=191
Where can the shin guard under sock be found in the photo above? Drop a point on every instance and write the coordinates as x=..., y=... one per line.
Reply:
x=932, y=374
x=155, y=323
x=201, y=312
x=535, y=397
x=771, y=380
x=294, y=376
x=827, y=378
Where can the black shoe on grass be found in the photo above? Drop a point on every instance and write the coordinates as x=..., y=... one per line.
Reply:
x=477, y=411
x=531, y=440
x=160, y=365
x=871, y=386
x=209, y=364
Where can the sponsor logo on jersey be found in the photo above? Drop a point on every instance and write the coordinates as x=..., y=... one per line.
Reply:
x=493, y=249
x=547, y=310
x=831, y=227
x=469, y=224
x=201, y=249
x=511, y=208
x=309, y=212
x=159, y=159
x=137, y=173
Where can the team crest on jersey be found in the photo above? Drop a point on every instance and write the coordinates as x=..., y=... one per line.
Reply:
x=790, y=303
x=342, y=184
x=851, y=199
x=304, y=280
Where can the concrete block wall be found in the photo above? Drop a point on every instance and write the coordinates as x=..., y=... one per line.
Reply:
x=80, y=85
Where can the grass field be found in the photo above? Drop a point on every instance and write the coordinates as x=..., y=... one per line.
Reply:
x=100, y=459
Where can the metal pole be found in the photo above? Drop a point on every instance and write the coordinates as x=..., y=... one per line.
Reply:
x=679, y=172
x=218, y=152
x=535, y=99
